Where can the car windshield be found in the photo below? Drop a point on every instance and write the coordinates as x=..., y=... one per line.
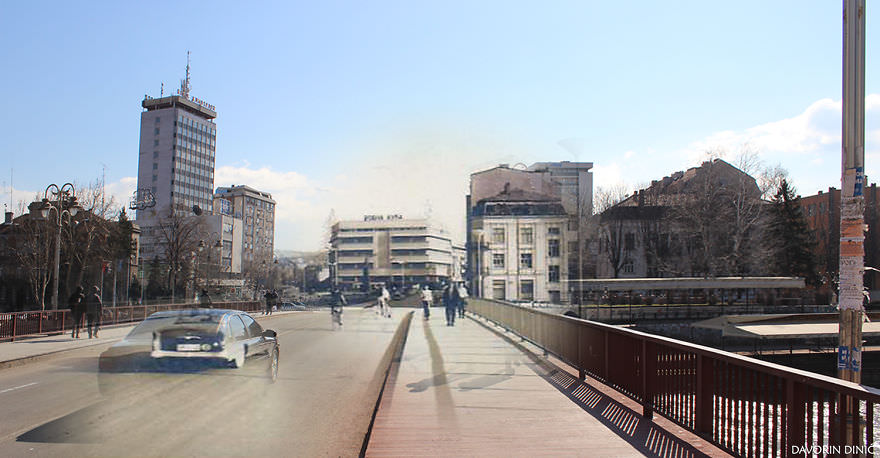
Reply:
x=204, y=321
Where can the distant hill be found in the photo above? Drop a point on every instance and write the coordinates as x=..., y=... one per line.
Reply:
x=313, y=257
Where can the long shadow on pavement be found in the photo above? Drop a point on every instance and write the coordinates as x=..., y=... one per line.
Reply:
x=638, y=431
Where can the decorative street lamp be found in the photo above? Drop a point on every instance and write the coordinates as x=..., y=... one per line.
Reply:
x=63, y=201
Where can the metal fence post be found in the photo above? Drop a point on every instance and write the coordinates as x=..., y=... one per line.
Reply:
x=704, y=396
x=647, y=389
x=794, y=400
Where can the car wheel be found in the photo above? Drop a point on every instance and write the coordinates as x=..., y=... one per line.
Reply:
x=273, y=366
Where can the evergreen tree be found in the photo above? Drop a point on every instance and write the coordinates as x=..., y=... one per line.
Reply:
x=790, y=239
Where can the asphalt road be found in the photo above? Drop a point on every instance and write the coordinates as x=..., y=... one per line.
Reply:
x=321, y=405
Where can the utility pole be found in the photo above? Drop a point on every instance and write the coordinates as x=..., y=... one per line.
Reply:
x=852, y=203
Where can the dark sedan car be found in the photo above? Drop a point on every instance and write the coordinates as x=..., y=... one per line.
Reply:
x=190, y=341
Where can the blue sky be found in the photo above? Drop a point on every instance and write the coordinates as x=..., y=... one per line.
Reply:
x=375, y=107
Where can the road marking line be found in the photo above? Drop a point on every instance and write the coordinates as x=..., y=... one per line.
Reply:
x=18, y=387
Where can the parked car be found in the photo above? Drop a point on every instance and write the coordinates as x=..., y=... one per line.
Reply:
x=191, y=340
x=293, y=306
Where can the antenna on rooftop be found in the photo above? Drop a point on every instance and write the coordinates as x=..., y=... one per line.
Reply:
x=162, y=90
x=184, y=83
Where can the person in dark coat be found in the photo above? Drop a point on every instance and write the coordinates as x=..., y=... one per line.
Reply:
x=75, y=303
x=94, y=309
x=205, y=299
x=450, y=301
x=269, y=300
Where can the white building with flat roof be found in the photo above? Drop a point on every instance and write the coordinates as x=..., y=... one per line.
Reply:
x=392, y=250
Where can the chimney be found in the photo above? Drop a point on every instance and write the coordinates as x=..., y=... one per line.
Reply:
x=8, y=219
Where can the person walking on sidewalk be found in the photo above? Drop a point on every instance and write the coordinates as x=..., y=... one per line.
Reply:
x=450, y=301
x=337, y=302
x=268, y=297
x=94, y=309
x=75, y=303
x=462, y=299
x=205, y=299
x=385, y=302
x=427, y=301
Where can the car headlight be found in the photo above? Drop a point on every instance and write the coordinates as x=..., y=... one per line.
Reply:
x=206, y=347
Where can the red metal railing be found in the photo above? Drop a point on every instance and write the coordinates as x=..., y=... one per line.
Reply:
x=21, y=324
x=745, y=406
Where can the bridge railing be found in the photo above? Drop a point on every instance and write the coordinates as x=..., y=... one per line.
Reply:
x=22, y=324
x=745, y=406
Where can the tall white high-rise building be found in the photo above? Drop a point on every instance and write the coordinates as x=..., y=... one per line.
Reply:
x=176, y=161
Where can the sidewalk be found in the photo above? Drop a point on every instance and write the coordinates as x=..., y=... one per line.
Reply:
x=26, y=350
x=465, y=391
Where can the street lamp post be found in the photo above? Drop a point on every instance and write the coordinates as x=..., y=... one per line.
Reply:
x=65, y=194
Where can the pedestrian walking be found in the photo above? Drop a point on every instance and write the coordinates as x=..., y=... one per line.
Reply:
x=205, y=299
x=268, y=298
x=427, y=301
x=450, y=302
x=94, y=309
x=337, y=302
x=462, y=300
x=385, y=302
x=77, y=308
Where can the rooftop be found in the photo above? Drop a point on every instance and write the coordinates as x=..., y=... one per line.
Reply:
x=194, y=106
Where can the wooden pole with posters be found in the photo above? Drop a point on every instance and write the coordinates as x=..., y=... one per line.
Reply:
x=852, y=204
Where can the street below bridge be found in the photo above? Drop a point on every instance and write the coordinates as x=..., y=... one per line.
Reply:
x=321, y=405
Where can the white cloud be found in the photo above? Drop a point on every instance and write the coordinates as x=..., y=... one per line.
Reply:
x=413, y=174
x=298, y=222
x=16, y=200
x=807, y=144
x=607, y=175
x=121, y=191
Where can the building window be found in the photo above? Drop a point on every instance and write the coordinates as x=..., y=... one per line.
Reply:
x=525, y=235
x=553, y=230
x=555, y=297
x=553, y=248
x=498, y=289
x=498, y=260
x=572, y=247
x=525, y=260
x=497, y=235
x=155, y=142
x=155, y=166
x=156, y=131
x=527, y=290
x=628, y=267
x=553, y=274
x=629, y=241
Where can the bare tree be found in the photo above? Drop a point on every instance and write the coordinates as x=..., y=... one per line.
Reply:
x=609, y=227
x=747, y=214
x=179, y=237
x=32, y=250
x=85, y=240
